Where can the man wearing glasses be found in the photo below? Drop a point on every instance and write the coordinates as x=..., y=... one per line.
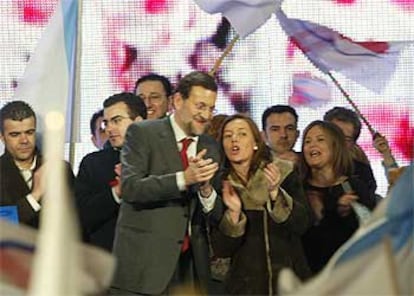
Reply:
x=167, y=170
x=97, y=186
x=155, y=90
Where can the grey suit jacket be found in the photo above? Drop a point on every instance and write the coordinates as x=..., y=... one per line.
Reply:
x=154, y=215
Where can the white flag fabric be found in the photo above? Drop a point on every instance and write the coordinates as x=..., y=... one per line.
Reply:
x=58, y=257
x=18, y=246
x=246, y=16
x=379, y=257
x=370, y=64
x=49, y=77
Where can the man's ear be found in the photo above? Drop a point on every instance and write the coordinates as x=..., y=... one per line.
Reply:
x=93, y=139
x=297, y=135
x=263, y=134
x=170, y=104
x=177, y=100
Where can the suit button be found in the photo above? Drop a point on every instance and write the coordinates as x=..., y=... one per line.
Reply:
x=186, y=215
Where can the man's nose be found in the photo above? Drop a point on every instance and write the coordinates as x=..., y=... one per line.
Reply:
x=24, y=138
x=147, y=102
x=109, y=126
x=206, y=114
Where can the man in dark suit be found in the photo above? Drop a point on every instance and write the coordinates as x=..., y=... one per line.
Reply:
x=163, y=199
x=97, y=186
x=21, y=164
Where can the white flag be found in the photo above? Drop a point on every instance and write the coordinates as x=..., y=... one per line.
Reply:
x=246, y=16
x=49, y=78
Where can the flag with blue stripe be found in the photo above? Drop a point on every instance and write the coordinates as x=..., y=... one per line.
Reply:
x=48, y=82
x=378, y=259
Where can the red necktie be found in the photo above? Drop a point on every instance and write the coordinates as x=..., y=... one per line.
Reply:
x=184, y=159
x=183, y=153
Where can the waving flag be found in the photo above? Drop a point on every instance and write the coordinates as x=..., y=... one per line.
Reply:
x=309, y=91
x=245, y=16
x=370, y=64
x=49, y=78
x=379, y=258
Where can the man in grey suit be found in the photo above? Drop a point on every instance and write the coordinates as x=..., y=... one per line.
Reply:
x=165, y=198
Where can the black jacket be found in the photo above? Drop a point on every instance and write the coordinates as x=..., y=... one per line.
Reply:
x=13, y=188
x=97, y=208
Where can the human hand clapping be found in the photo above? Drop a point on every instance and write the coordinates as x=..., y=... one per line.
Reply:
x=232, y=200
x=200, y=170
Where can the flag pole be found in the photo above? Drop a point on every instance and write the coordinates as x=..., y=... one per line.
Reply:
x=228, y=49
x=75, y=112
x=373, y=132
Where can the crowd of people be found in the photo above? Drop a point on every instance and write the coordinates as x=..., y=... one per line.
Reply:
x=173, y=185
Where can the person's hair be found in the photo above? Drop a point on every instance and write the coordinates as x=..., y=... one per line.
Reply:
x=156, y=77
x=342, y=159
x=136, y=106
x=94, y=119
x=261, y=155
x=15, y=110
x=278, y=109
x=196, y=78
x=215, y=125
x=345, y=115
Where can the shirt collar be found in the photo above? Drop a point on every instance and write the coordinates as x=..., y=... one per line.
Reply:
x=32, y=167
x=178, y=132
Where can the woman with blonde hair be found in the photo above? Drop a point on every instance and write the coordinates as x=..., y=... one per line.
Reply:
x=331, y=190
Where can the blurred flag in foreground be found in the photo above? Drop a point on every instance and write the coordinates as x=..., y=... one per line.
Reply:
x=370, y=64
x=49, y=77
x=246, y=16
x=378, y=259
x=59, y=237
x=18, y=246
x=309, y=91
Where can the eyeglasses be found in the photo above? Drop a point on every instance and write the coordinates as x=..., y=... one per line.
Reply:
x=201, y=107
x=116, y=120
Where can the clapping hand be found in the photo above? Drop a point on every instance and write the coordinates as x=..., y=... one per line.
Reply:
x=272, y=174
x=232, y=200
x=200, y=170
x=117, y=187
x=38, y=186
x=345, y=204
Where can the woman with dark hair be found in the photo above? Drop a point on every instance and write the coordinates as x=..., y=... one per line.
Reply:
x=326, y=168
x=266, y=212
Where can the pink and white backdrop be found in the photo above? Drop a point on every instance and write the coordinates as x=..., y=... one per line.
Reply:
x=122, y=40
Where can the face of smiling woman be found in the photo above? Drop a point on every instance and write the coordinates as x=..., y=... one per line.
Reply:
x=317, y=148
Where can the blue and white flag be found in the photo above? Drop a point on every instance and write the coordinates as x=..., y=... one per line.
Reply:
x=370, y=64
x=49, y=78
x=378, y=259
